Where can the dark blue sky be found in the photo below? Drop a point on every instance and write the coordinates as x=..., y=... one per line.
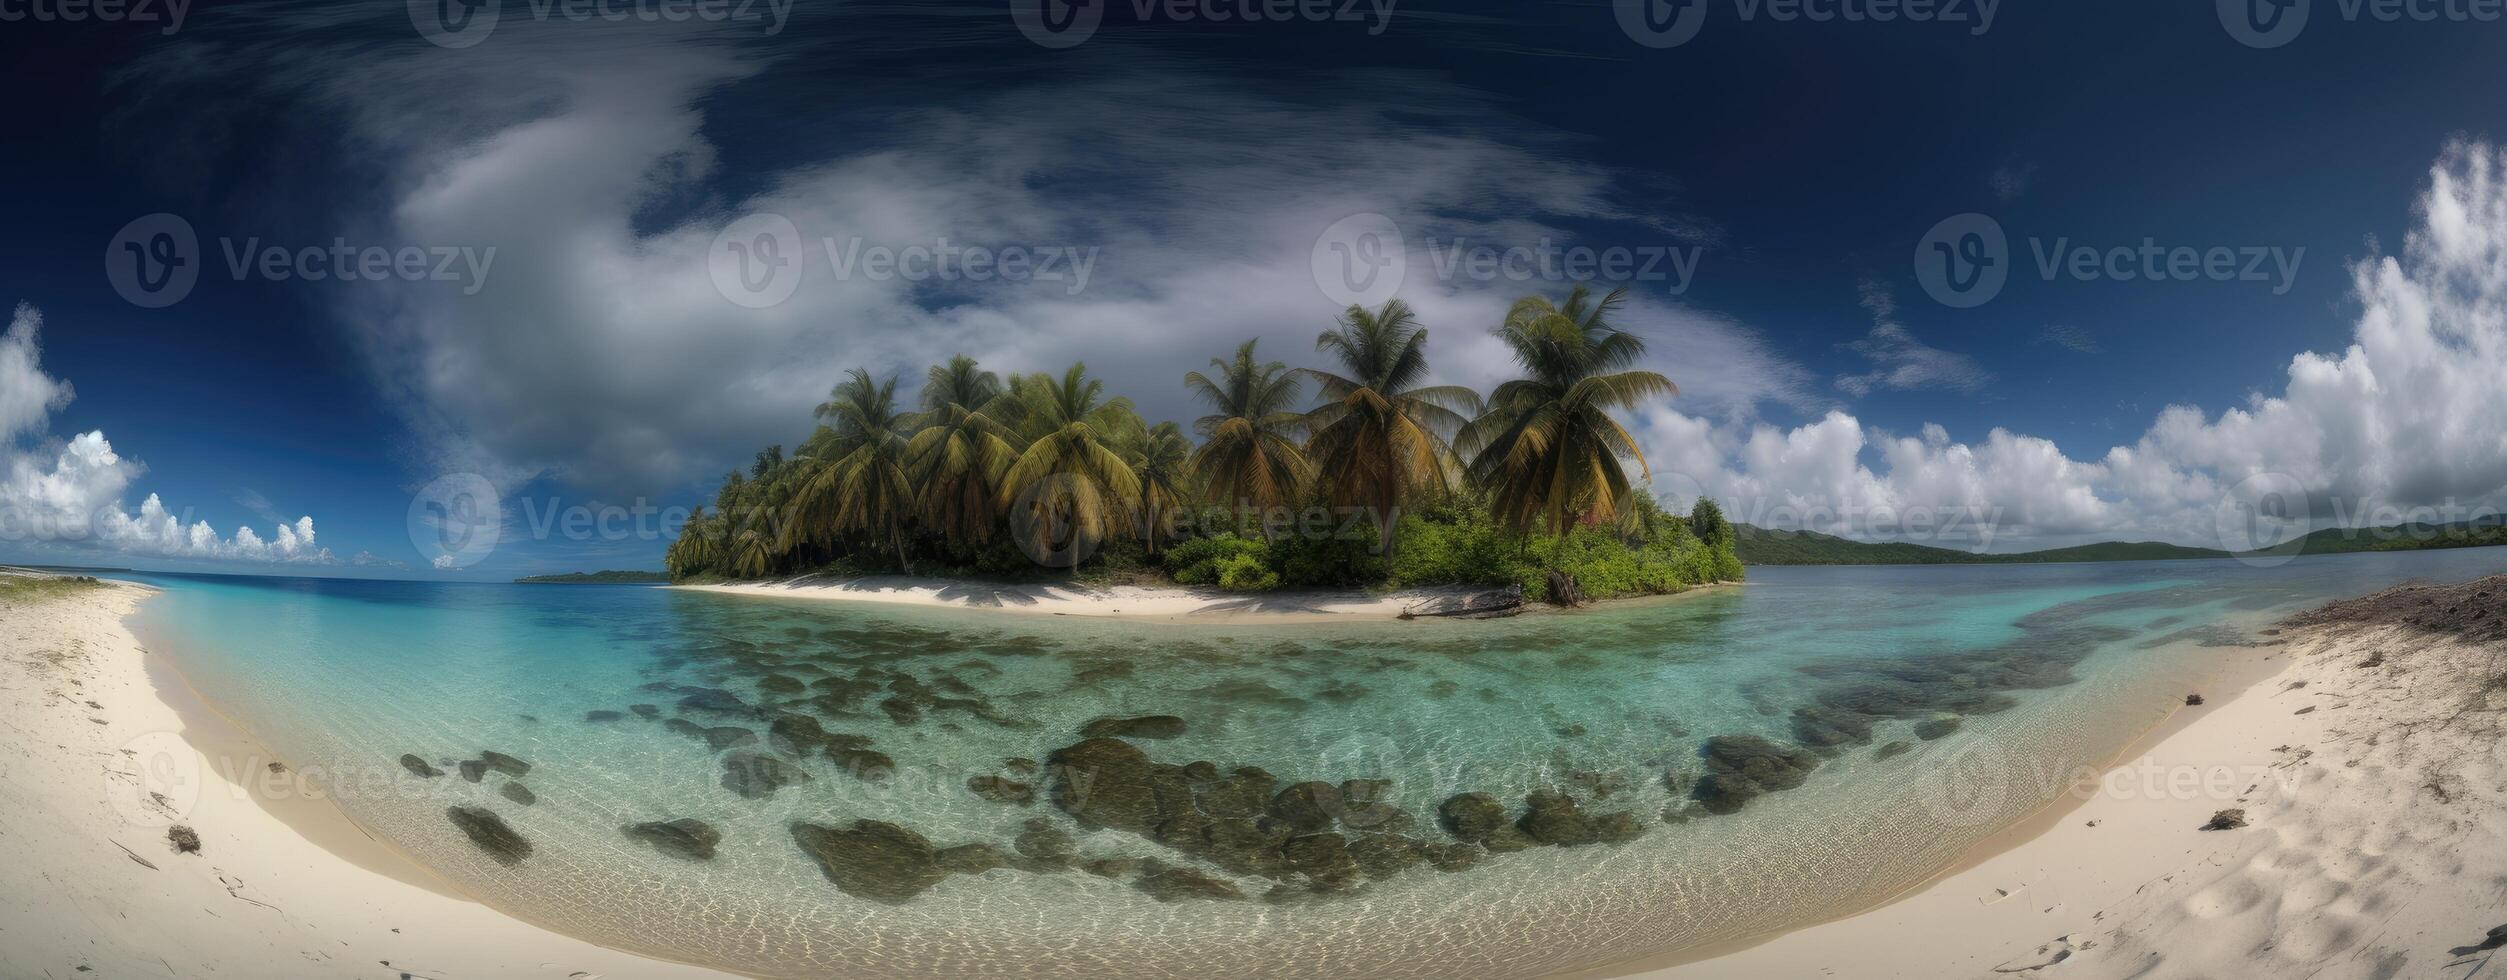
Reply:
x=1805, y=161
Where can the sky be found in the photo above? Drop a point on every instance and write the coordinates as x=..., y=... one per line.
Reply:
x=307, y=288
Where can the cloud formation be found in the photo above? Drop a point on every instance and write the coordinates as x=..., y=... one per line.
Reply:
x=69, y=495
x=2407, y=422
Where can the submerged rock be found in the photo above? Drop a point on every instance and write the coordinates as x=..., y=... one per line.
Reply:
x=1107, y=783
x=491, y=833
x=873, y=859
x=780, y=684
x=1044, y=843
x=645, y=710
x=602, y=715
x=1002, y=789
x=1933, y=728
x=1740, y=768
x=722, y=737
x=1145, y=726
x=504, y=763
x=473, y=770
x=711, y=699
x=1472, y=816
x=1893, y=749
x=868, y=765
x=1307, y=808
x=418, y=766
x=518, y=793
x=1174, y=884
x=757, y=776
x=1552, y=817
x=685, y=837
x=970, y=859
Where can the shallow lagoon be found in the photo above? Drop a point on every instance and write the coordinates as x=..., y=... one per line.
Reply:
x=2047, y=668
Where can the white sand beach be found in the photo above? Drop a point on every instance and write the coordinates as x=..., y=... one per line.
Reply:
x=1127, y=601
x=2364, y=755
x=284, y=885
x=2368, y=763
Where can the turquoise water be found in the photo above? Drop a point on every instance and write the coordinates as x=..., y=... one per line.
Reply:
x=2046, y=667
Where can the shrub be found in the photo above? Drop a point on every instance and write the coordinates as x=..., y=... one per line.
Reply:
x=1246, y=573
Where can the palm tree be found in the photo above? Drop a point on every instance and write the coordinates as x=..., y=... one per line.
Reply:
x=958, y=458
x=866, y=490
x=1249, y=455
x=1379, y=435
x=1164, y=464
x=1547, y=448
x=1071, y=434
x=698, y=547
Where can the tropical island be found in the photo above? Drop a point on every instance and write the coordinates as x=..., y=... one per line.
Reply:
x=1382, y=480
x=611, y=576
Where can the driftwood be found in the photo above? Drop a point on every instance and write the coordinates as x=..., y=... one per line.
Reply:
x=1477, y=605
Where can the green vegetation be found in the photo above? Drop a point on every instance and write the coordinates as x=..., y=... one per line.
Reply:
x=1380, y=479
x=607, y=577
x=35, y=588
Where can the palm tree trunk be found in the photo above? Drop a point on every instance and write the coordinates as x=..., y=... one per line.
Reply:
x=897, y=543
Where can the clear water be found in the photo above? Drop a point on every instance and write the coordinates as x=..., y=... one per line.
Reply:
x=341, y=678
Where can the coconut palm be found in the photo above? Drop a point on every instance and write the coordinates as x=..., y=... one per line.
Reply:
x=1070, y=476
x=958, y=458
x=1547, y=449
x=1164, y=464
x=867, y=490
x=1380, y=435
x=1249, y=453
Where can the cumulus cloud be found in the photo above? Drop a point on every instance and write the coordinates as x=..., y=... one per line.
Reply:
x=69, y=495
x=2408, y=422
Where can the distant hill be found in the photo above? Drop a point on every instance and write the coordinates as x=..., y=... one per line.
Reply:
x=1764, y=546
x=613, y=577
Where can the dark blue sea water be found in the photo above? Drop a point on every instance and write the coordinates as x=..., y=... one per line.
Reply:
x=2044, y=667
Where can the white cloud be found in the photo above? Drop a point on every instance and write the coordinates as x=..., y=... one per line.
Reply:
x=69, y=495
x=1899, y=361
x=2408, y=422
x=28, y=397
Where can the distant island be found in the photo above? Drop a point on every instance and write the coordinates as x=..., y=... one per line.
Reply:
x=1380, y=479
x=609, y=577
x=1768, y=546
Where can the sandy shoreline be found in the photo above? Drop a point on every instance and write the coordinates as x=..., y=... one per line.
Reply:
x=2364, y=753
x=284, y=885
x=1122, y=601
x=2366, y=759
